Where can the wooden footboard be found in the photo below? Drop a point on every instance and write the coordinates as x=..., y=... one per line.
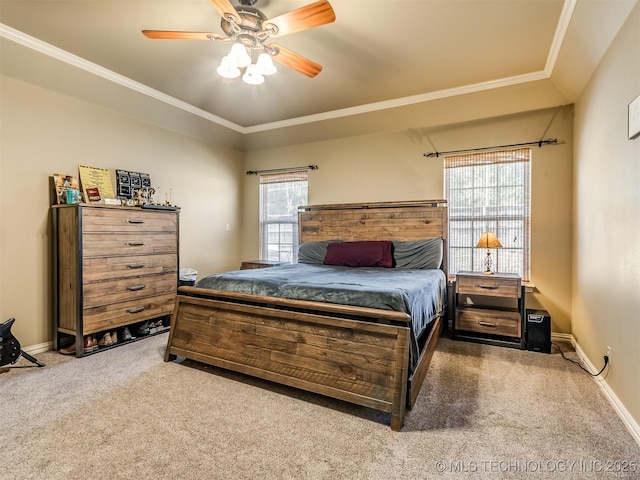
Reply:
x=337, y=351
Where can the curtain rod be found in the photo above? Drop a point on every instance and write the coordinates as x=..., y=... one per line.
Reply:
x=281, y=170
x=539, y=143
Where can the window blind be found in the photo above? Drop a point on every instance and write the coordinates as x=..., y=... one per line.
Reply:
x=280, y=196
x=489, y=192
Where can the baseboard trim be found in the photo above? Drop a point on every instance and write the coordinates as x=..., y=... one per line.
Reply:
x=562, y=336
x=39, y=348
x=618, y=406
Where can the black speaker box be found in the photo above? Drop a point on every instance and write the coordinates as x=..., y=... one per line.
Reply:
x=538, y=331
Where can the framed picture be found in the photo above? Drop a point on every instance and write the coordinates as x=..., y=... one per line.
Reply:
x=146, y=180
x=634, y=118
x=136, y=181
x=129, y=183
x=123, y=183
x=67, y=188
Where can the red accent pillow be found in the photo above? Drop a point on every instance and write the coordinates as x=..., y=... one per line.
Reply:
x=378, y=253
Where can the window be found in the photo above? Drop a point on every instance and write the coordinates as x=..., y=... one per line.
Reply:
x=280, y=196
x=489, y=192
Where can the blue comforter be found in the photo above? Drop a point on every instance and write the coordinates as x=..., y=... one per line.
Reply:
x=419, y=293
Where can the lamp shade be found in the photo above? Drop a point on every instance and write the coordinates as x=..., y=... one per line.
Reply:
x=265, y=64
x=239, y=55
x=252, y=76
x=227, y=69
x=489, y=240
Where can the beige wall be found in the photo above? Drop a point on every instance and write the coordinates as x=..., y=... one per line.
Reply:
x=606, y=276
x=585, y=202
x=392, y=167
x=42, y=133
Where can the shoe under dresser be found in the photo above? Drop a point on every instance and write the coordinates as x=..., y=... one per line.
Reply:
x=113, y=267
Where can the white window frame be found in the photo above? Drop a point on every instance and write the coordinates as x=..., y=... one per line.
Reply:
x=279, y=228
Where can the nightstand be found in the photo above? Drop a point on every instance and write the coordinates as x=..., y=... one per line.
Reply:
x=489, y=309
x=260, y=264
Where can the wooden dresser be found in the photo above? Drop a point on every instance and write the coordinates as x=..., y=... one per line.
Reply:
x=489, y=309
x=113, y=267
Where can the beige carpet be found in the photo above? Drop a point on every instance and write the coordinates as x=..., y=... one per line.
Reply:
x=484, y=412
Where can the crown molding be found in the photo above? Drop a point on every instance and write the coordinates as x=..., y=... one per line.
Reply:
x=558, y=38
x=76, y=61
x=403, y=101
x=54, y=52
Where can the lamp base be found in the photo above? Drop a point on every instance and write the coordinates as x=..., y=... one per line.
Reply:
x=488, y=263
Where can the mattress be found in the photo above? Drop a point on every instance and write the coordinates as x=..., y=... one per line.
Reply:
x=418, y=292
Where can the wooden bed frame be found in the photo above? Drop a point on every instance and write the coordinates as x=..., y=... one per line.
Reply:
x=360, y=355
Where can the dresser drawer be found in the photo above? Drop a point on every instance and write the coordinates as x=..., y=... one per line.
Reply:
x=109, y=268
x=107, y=317
x=123, y=290
x=110, y=220
x=101, y=244
x=489, y=286
x=495, y=322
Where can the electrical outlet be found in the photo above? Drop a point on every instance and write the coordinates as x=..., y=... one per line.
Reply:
x=609, y=354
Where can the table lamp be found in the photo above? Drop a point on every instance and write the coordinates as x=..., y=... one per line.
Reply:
x=488, y=240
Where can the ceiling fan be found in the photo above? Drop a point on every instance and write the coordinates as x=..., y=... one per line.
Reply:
x=251, y=28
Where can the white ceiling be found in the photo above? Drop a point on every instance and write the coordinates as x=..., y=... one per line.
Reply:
x=378, y=55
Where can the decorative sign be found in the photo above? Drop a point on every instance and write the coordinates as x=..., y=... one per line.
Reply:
x=124, y=183
x=634, y=118
x=96, y=178
x=131, y=183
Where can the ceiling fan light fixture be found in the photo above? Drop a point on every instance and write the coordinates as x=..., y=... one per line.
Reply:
x=252, y=76
x=248, y=29
x=265, y=64
x=227, y=69
x=239, y=55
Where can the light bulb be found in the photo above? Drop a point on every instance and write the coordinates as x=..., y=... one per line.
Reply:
x=239, y=55
x=227, y=69
x=265, y=64
x=252, y=76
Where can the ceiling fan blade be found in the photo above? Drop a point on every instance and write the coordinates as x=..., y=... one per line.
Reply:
x=225, y=9
x=312, y=15
x=163, y=34
x=296, y=62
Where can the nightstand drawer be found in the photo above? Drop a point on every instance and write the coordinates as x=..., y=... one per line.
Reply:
x=489, y=286
x=495, y=322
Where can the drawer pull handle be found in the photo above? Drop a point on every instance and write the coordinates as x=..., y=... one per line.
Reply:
x=135, y=310
x=137, y=222
x=488, y=287
x=136, y=265
x=135, y=244
x=135, y=288
x=487, y=324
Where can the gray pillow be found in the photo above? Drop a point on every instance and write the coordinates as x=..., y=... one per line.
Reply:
x=313, y=252
x=419, y=254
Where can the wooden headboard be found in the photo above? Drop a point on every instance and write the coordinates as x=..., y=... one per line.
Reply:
x=400, y=221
